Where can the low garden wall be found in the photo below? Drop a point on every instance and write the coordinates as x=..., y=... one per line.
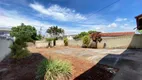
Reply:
x=4, y=48
x=41, y=44
x=134, y=41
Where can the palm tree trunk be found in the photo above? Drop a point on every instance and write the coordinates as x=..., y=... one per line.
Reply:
x=96, y=44
x=49, y=44
x=54, y=42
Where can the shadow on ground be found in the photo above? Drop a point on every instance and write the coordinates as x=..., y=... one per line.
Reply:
x=23, y=69
x=126, y=66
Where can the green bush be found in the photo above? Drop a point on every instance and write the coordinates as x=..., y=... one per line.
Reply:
x=66, y=41
x=140, y=31
x=19, y=50
x=53, y=70
x=22, y=34
x=86, y=41
x=41, y=70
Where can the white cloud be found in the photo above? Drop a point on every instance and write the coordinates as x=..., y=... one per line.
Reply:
x=121, y=19
x=100, y=27
x=58, y=13
x=79, y=22
x=112, y=25
x=127, y=27
x=10, y=18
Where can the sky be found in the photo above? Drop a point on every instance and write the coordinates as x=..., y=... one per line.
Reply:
x=74, y=16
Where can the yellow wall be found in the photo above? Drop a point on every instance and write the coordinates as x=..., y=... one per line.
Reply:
x=134, y=41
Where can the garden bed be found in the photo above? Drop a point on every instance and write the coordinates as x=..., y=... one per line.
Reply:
x=24, y=69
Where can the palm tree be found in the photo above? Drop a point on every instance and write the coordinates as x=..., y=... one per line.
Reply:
x=55, y=32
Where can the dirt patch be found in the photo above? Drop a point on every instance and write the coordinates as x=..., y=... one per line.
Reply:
x=79, y=65
x=25, y=69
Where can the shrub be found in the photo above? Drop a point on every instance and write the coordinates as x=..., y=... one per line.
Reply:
x=41, y=70
x=53, y=70
x=86, y=41
x=19, y=50
x=140, y=31
x=22, y=34
x=66, y=41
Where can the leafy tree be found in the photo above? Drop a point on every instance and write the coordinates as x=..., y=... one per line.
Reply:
x=91, y=31
x=26, y=32
x=81, y=35
x=23, y=34
x=39, y=37
x=54, y=32
x=96, y=37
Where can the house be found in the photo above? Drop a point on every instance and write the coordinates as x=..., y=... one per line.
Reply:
x=139, y=21
x=5, y=33
x=70, y=37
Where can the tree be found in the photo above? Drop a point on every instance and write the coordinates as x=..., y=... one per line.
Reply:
x=96, y=37
x=26, y=32
x=91, y=31
x=81, y=35
x=54, y=32
x=23, y=34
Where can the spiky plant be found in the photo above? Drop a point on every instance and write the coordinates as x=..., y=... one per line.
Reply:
x=54, y=70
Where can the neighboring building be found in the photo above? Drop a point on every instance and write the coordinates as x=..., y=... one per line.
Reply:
x=139, y=21
x=5, y=33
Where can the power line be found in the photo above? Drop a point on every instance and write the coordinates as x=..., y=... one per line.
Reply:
x=107, y=6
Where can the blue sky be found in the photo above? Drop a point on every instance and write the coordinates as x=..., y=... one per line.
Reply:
x=73, y=16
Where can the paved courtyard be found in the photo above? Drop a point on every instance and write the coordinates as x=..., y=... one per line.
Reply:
x=128, y=61
x=94, y=55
